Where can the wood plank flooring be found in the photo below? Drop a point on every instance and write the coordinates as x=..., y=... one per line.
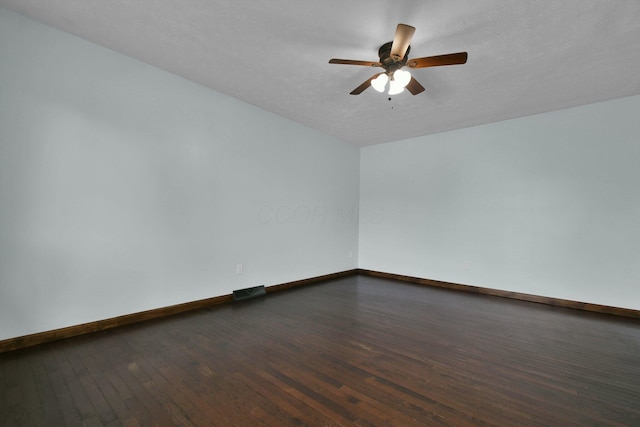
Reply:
x=357, y=351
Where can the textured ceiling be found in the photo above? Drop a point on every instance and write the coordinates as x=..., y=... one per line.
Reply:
x=525, y=57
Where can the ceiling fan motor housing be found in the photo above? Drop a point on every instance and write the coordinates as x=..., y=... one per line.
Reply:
x=388, y=63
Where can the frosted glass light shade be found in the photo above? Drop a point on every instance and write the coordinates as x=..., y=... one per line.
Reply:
x=380, y=82
x=395, y=87
x=402, y=77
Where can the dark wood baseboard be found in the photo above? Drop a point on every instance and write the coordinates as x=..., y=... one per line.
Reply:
x=311, y=281
x=626, y=312
x=101, y=325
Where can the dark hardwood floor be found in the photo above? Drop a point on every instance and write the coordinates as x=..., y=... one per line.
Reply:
x=355, y=351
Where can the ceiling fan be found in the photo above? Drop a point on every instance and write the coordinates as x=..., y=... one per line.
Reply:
x=393, y=56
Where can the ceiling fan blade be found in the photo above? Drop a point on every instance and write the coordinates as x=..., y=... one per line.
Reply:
x=414, y=87
x=363, y=86
x=436, y=61
x=352, y=62
x=401, y=41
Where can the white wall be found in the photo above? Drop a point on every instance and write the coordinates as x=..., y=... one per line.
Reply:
x=546, y=205
x=124, y=188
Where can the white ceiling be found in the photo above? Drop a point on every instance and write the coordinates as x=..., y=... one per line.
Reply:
x=525, y=57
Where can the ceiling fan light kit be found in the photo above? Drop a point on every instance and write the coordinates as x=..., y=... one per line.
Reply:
x=393, y=56
x=398, y=81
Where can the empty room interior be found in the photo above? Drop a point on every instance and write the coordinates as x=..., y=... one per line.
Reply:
x=212, y=214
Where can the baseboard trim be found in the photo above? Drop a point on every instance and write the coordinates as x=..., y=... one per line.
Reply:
x=101, y=325
x=17, y=343
x=617, y=311
x=311, y=281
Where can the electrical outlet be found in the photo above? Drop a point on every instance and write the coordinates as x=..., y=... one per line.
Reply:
x=239, y=269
